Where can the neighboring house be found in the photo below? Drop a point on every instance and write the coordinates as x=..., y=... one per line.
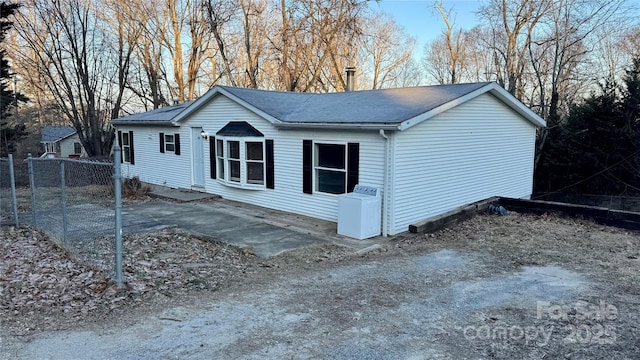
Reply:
x=428, y=149
x=61, y=141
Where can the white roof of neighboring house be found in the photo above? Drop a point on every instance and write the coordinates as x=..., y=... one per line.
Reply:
x=56, y=133
x=395, y=109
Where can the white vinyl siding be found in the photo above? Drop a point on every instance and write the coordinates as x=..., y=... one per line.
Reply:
x=66, y=147
x=153, y=167
x=288, y=194
x=474, y=151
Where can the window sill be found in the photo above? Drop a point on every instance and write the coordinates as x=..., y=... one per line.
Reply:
x=241, y=186
x=326, y=194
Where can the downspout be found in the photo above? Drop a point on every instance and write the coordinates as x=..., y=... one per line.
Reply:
x=386, y=184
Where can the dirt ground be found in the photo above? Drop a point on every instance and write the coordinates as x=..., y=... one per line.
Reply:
x=520, y=286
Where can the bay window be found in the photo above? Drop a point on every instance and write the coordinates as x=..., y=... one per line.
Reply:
x=241, y=157
x=240, y=161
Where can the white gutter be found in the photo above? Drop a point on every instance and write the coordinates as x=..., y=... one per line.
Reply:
x=386, y=184
x=166, y=123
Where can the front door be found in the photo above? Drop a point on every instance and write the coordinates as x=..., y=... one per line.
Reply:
x=197, y=157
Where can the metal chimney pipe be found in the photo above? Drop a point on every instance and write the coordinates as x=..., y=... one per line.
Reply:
x=351, y=78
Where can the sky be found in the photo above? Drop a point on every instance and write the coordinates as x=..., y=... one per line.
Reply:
x=422, y=22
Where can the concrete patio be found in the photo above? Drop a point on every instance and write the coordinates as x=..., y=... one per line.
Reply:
x=268, y=232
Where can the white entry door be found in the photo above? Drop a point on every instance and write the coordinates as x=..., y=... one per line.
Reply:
x=197, y=157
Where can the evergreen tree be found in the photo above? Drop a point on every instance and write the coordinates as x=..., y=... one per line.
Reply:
x=9, y=133
x=631, y=99
x=596, y=149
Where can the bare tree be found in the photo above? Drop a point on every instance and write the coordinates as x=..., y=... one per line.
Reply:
x=459, y=55
x=479, y=63
x=316, y=41
x=219, y=14
x=386, y=48
x=126, y=32
x=454, y=42
x=631, y=42
x=513, y=23
x=70, y=51
x=436, y=61
x=186, y=27
x=557, y=54
x=254, y=26
x=150, y=55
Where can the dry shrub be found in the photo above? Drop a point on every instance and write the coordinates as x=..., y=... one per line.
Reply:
x=134, y=188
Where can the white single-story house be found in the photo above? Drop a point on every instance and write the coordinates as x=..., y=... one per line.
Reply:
x=61, y=141
x=427, y=149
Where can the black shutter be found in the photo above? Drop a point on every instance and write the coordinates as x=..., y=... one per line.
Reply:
x=120, y=144
x=131, y=158
x=353, y=163
x=212, y=156
x=307, y=166
x=162, y=142
x=269, y=164
x=176, y=142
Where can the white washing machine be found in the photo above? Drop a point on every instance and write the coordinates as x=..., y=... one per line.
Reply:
x=359, y=213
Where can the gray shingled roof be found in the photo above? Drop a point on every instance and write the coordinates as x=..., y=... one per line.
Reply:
x=387, y=106
x=160, y=116
x=56, y=133
x=390, y=108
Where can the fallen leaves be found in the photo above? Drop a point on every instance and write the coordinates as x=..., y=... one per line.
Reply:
x=43, y=286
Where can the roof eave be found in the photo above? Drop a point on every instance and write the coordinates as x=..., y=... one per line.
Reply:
x=336, y=126
x=68, y=136
x=58, y=139
x=143, y=123
x=517, y=105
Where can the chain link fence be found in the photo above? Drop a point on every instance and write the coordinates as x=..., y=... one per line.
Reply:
x=8, y=200
x=618, y=202
x=72, y=201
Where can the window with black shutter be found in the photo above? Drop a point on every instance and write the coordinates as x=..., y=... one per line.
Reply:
x=331, y=168
x=126, y=146
x=170, y=143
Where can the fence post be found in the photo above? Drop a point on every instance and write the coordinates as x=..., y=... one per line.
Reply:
x=118, y=205
x=63, y=195
x=32, y=187
x=14, y=198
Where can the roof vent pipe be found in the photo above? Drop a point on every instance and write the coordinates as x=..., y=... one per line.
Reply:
x=176, y=101
x=351, y=78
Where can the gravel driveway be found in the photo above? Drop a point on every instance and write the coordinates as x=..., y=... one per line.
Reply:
x=406, y=308
x=520, y=287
